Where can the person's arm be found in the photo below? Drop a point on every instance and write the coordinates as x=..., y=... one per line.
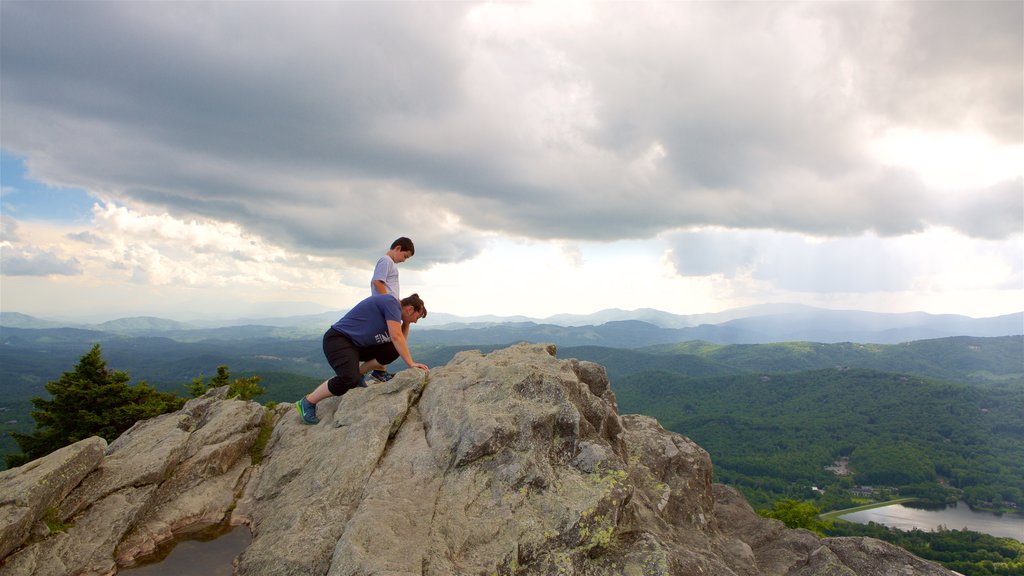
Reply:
x=380, y=287
x=398, y=339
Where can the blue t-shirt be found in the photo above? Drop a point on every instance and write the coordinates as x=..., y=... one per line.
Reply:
x=366, y=323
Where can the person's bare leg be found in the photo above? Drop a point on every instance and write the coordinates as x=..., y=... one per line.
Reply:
x=319, y=394
x=370, y=365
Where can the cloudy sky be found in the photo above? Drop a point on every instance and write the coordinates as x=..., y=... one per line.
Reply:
x=196, y=159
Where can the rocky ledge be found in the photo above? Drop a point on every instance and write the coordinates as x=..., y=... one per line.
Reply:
x=514, y=462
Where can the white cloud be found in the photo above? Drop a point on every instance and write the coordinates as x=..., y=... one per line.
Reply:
x=161, y=249
x=124, y=247
x=950, y=160
x=36, y=263
x=937, y=259
x=8, y=228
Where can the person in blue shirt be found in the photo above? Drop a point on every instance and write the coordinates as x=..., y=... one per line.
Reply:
x=373, y=331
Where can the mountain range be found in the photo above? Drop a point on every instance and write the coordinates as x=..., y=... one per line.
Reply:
x=614, y=327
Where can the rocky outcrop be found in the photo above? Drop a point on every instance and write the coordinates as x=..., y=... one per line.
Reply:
x=164, y=476
x=514, y=462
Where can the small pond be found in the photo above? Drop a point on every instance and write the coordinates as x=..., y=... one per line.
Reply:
x=206, y=553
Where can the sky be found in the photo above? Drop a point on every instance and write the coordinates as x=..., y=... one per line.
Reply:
x=214, y=159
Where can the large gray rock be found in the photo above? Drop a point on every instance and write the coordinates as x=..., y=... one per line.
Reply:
x=171, y=474
x=514, y=462
x=28, y=492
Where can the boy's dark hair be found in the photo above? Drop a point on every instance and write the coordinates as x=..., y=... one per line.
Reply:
x=405, y=244
x=417, y=304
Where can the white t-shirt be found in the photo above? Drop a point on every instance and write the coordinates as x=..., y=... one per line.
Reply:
x=387, y=272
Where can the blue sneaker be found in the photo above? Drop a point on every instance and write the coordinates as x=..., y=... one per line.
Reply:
x=307, y=410
x=381, y=375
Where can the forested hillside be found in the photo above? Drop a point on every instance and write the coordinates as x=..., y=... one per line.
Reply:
x=774, y=434
x=962, y=358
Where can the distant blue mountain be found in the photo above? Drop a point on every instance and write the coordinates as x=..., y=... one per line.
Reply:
x=828, y=327
x=141, y=324
x=817, y=325
x=613, y=328
x=17, y=320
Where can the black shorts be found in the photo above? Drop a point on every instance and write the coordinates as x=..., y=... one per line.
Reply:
x=345, y=357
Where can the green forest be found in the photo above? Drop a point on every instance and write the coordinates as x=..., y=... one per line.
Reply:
x=773, y=435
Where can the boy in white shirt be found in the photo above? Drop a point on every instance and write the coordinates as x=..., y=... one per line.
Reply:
x=385, y=281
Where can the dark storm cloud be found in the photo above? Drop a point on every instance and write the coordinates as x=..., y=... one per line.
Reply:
x=993, y=212
x=946, y=63
x=336, y=127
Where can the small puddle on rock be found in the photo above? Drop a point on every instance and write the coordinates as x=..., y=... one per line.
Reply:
x=209, y=552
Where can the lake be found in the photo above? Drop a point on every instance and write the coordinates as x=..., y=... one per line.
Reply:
x=953, y=517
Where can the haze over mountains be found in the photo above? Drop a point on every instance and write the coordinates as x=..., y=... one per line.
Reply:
x=614, y=327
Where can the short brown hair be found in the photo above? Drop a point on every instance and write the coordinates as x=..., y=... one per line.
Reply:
x=405, y=244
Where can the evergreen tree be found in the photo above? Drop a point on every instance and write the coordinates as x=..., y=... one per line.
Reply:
x=90, y=400
x=241, y=388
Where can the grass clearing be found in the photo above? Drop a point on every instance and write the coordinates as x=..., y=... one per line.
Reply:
x=835, y=514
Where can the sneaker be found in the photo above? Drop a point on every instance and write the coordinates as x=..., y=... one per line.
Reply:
x=307, y=410
x=381, y=375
